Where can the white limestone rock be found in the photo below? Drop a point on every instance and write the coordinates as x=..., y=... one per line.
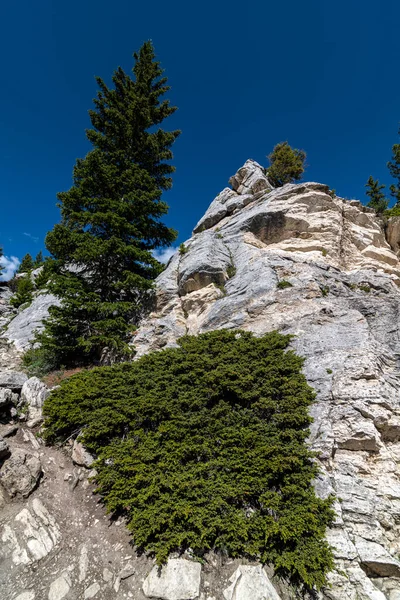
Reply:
x=34, y=392
x=179, y=580
x=31, y=536
x=250, y=583
x=21, y=330
x=376, y=560
x=60, y=587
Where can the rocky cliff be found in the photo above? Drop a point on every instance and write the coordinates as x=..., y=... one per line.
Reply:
x=298, y=259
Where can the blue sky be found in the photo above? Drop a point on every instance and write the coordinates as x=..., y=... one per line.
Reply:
x=322, y=75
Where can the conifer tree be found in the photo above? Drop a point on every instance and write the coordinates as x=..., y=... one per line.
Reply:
x=394, y=169
x=27, y=264
x=377, y=199
x=24, y=291
x=102, y=249
x=38, y=260
x=286, y=164
x=1, y=255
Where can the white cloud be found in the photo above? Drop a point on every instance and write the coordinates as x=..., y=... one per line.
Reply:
x=10, y=265
x=34, y=238
x=165, y=254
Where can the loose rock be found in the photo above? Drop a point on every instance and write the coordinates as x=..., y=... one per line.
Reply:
x=179, y=580
x=20, y=473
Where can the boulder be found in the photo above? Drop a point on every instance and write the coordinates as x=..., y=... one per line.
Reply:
x=250, y=583
x=179, y=579
x=20, y=473
x=12, y=380
x=34, y=392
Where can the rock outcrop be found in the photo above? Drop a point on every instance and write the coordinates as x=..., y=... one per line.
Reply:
x=305, y=262
x=298, y=259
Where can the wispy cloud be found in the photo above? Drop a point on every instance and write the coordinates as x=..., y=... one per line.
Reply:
x=34, y=238
x=10, y=265
x=164, y=254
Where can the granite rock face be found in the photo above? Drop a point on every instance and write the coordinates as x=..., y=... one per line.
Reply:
x=342, y=303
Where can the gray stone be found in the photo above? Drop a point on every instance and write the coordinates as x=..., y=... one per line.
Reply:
x=91, y=591
x=81, y=456
x=179, y=580
x=20, y=473
x=60, y=587
x=28, y=595
x=376, y=560
x=34, y=392
x=13, y=380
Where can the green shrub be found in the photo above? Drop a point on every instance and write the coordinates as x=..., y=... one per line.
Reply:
x=392, y=212
x=39, y=361
x=283, y=283
x=183, y=249
x=24, y=289
x=203, y=446
x=231, y=271
x=329, y=371
x=324, y=252
x=324, y=290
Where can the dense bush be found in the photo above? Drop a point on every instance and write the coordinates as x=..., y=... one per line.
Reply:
x=203, y=446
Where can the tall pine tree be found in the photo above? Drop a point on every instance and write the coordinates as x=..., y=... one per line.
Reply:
x=394, y=169
x=377, y=199
x=102, y=249
x=1, y=255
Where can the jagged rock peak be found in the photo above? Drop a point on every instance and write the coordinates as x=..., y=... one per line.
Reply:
x=305, y=217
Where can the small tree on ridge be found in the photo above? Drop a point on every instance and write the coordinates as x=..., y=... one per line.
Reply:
x=286, y=164
x=377, y=199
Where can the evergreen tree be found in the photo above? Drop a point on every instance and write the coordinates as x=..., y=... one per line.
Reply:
x=43, y=277
x=27, y=264
x=394, y=169
x=24, y=291
x=38, y=260
x=1, y=255
x=286, y=164
x=377, y=199
x=104, y=266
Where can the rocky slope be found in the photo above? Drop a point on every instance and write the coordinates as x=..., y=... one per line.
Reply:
x=294, y=259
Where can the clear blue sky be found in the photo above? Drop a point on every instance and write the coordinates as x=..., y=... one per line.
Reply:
x=322, y=75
